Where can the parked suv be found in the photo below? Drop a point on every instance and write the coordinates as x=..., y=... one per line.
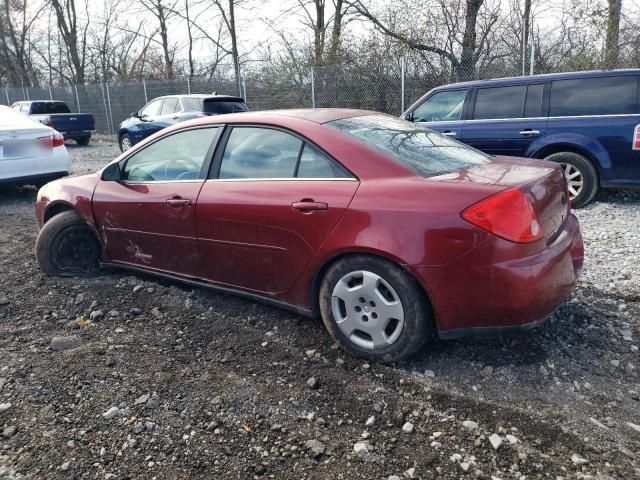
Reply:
x=165, y=111
x=587, y=121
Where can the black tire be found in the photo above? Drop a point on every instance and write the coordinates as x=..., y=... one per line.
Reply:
x=67, y=246
x=124, y=138
x=84, y=141
x=587, y=171
x=418, y=319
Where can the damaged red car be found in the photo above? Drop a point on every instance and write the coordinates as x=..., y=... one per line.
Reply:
x=391, y=233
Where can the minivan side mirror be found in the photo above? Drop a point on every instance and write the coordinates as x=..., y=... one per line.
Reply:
x=111, y=173
x=135, y=114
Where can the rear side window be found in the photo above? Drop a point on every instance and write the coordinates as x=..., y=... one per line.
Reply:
x=220, y=107
x=48, y=108
x=314, y=164
x=426, y=152
x=499, y=102
x=441, y=106
x=594, y=96
x=152, y=108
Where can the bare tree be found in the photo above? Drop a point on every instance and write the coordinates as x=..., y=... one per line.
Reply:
x=612, y=46
x=227, y=12
x=16, y=25
x=163, y=13
x=73, y=32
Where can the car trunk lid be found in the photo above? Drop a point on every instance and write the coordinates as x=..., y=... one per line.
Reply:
x=542, y=183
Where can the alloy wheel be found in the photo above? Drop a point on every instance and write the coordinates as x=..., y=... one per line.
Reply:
x=575, y=181
x=367, y=310
x=125, y=143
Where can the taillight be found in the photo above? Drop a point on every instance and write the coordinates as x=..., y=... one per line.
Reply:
x=636, y=138
x=508, y=215
x=53, y=141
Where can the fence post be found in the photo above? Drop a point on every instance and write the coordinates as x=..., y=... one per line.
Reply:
x=533, y=48
x=402, y=74
x=110, y=112
x=313, y=88
x=77, y=97
x=188, y=85
x=50, y=93
x=244, y=89
x=6, y=91
x=144, y=86
x=106, y=113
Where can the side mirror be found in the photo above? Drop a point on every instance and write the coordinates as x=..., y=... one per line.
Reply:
x=135, y=114
x=111, y=173
x=408, y=116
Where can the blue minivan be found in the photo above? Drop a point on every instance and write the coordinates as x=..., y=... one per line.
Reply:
x=589, y=122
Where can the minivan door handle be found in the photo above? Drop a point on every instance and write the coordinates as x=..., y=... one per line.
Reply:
x=178, y=202
x=527, y=132
x=449, y=133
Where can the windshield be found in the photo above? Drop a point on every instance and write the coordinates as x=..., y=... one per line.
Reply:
x=426, y=152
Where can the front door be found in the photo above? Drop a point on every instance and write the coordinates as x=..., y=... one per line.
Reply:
x=147, y=218
x=506, y=120
x=442, y=112
x=270, y=205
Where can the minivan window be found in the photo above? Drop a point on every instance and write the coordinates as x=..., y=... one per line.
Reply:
x=499, y=102
x=533, y=102
x=594, y=96
x=441, y=106
x=424, y=151
x=168, y=106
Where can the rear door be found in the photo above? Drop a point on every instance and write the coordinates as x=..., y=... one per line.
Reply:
x=271, y=202
x=442, y=112
x=147, y=219
x=506, y=120
x=604, y=111
x=148, y=122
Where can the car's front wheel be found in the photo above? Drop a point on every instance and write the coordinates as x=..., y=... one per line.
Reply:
x=67, y=246
x=374, y=308
x=83, y=141
x=125, y=142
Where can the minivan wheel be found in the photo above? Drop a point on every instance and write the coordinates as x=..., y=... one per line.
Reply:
x=374, y=309
x=581, y=175
x=67, y=246
x=125, y=142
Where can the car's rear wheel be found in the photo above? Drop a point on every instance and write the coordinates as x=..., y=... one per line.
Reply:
x=125, y=142
x=67, y=246
x=374, y=308
x=84, y=141
x=581, y=175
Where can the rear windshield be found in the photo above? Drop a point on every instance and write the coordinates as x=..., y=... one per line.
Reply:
x=426, y=152
x=46, y=108
x=217, y=106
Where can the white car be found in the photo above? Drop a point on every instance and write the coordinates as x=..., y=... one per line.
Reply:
x=30, y=153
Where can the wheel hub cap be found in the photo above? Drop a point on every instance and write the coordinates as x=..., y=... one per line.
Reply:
x=367, y=310
x=575, y=181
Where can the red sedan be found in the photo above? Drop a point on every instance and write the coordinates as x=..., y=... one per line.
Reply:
x=390, y=232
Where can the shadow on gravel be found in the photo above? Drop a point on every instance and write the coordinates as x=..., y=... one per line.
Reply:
x=15, y=195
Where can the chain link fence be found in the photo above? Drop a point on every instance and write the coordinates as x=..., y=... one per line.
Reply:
x=387, y=85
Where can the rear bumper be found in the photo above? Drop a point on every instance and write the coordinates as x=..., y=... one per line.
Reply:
x=77, y=134
x=496, y=288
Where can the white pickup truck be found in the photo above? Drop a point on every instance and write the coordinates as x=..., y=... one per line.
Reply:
x=30, y=152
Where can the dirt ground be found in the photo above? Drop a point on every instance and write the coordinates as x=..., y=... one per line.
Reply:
x=207, y=385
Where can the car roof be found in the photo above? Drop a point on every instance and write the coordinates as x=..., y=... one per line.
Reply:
x=546, y=77
x=204, y=96
x=317, y=115
x=10, y=120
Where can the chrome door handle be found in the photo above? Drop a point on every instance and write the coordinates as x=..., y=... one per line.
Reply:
x=449, y=133
x=178, y=202
x=530, y=133
x=308, y=206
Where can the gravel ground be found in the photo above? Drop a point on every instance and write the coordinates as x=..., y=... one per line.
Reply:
x=126, y=376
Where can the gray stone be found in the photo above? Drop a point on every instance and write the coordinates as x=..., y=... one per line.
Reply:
x=60, y=344
x=4, y=407
x=109, y=414
x=370, y=421
x=316, y=448
x=362, y=447
x=9, y=431
x=578, y=460
x=470, y=424
x=142, y=399
x=407, y=427
x=313, y=383
x=496, y=441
